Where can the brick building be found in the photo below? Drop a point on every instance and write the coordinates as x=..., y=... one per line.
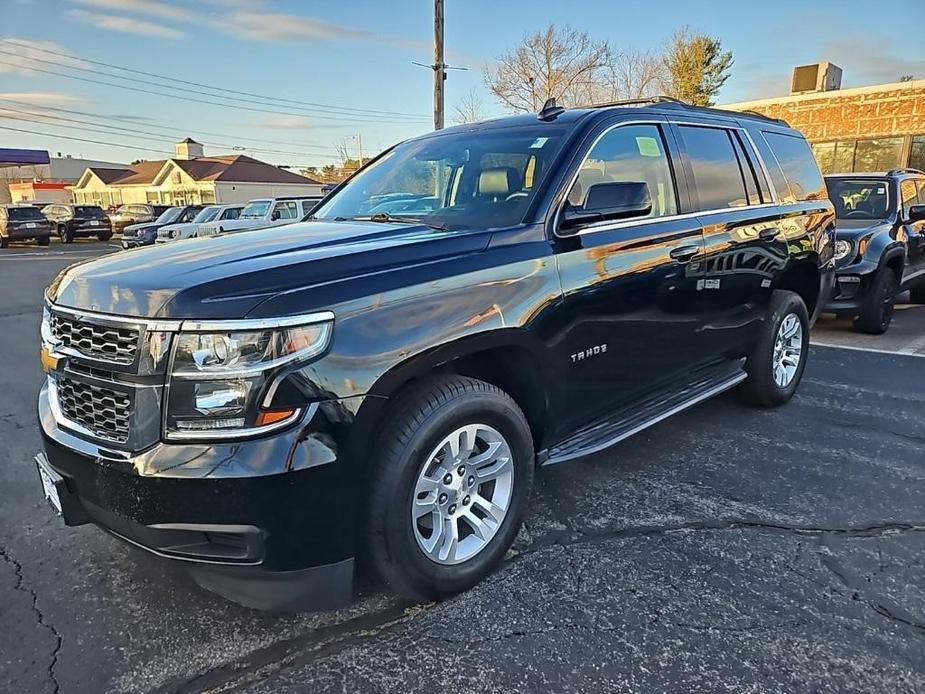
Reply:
x=873, y=128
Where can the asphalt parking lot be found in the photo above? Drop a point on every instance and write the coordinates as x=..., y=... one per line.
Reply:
x=725, y=549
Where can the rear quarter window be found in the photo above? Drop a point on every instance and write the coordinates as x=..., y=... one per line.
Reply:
x=799, y=167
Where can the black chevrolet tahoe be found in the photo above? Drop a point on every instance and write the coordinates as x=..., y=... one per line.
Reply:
x=879, y=244
x=270, y=406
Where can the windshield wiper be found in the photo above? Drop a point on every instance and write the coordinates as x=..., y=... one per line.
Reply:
x=386, y=218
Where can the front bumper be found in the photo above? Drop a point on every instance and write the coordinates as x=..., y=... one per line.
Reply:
x=266, y=523
x=137, y=241
x=852, y=285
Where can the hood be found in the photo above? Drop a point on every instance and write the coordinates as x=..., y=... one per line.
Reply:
x=848, y=229
x=227, y=276
x=128, y=230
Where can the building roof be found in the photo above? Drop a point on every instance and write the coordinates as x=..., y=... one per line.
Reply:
x=233, y=168
x=187, y=141
x=831, y=94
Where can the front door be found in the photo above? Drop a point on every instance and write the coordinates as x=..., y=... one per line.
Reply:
x=629, y=285
x=912, y=192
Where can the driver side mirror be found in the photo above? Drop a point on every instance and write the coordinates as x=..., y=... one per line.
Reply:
x=916, y=213
x=609, y=200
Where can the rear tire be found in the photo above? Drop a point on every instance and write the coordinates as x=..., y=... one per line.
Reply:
x=104, y=235
x=425, y=503
x=43, y=240
x=877, y=312
x=65, y=235
x=4, y=241
x=776, y=363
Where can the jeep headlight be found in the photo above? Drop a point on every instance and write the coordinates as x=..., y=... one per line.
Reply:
x=842, y=249
x=220, y=373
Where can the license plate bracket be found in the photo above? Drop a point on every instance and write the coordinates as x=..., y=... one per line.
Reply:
x=54, y=487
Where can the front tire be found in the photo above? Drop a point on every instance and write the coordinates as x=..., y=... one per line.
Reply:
x=65, y=235
x=4, y=241
x=776, y=363
x=877, y=312
x=448, y=487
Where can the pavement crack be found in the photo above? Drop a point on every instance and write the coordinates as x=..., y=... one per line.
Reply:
x=40, y=617
x=860, y=589
x=589, y=535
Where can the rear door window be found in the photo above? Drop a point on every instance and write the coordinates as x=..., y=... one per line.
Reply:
x=286, y=210
x=799, y=166
x=231, y=213
x=715, y=167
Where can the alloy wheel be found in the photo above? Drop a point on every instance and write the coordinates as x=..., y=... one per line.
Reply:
x=788, y=348
x=462, y=494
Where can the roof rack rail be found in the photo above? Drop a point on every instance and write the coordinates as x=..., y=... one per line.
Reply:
x=662, y=100
x=642, y=101
x=908, y=169
x=763, y=116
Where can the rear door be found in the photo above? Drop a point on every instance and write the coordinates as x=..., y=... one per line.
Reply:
x=629, y=285
x=744, y=245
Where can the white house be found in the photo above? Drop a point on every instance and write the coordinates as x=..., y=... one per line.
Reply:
x=190, y=178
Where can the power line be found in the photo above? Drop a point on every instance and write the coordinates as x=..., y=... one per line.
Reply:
x=184, y=131
x=235, y=100
x=206, y=86
x=189, y=98
x=136, y=131
x=116, y=144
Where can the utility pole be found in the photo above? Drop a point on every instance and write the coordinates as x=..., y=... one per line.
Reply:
x=439, y=65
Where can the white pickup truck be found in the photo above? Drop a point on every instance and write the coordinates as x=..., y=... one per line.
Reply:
x=217, y=213
x=263, y=212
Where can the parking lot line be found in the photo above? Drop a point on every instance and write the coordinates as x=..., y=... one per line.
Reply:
x=900, y=353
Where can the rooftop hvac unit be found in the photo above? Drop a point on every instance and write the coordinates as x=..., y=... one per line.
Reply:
x=818, y=77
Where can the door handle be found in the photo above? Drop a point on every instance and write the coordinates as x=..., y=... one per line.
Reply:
x=684, y=254
x=769, y=234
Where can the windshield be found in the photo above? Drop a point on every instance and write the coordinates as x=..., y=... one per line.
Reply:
x=859, y=198
x=169, y=215
x=206, y=214
x=26, y=213
x=484, y=179
x=89, y=212
x=255, y=209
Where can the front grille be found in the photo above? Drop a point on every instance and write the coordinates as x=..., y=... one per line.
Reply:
x=103, y=342
x=103, y=411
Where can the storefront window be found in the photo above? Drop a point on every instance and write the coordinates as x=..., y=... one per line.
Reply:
x=917, y=153
x=881, y=154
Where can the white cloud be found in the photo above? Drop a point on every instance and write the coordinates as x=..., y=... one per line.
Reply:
x=42, y=97
x=286, y=123
x=24, y=56
x=153, y=8
x=126, y=24
x=278, y=26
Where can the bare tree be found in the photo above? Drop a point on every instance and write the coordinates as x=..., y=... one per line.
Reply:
x=469, y=108
x=631, y=74
x=561, y=63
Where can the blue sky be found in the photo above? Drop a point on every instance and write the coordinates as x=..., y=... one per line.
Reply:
x=357, y=55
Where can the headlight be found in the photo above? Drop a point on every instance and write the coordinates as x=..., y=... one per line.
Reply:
x=842, y=249
x=220, y=377
x=45, y=329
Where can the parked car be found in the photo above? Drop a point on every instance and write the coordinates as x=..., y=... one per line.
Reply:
x=73, y=221
x=264, y=212
x=277, y=404
x=134, y=214
x=22, y=222
x=880, y=244
x=144, y=234
x=219, y=213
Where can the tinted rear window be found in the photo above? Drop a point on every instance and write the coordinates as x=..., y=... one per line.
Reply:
x=25, y=213
x=799, y=166
x=88, y=211
x=715, y=166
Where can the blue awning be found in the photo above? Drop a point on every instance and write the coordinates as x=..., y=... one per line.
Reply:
x=23, y=157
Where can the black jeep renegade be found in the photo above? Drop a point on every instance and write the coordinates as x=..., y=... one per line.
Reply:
x=382, y=380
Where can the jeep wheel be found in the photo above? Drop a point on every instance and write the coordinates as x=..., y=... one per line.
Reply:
x=877, y=312
x=776, y=363
x=449, y=486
